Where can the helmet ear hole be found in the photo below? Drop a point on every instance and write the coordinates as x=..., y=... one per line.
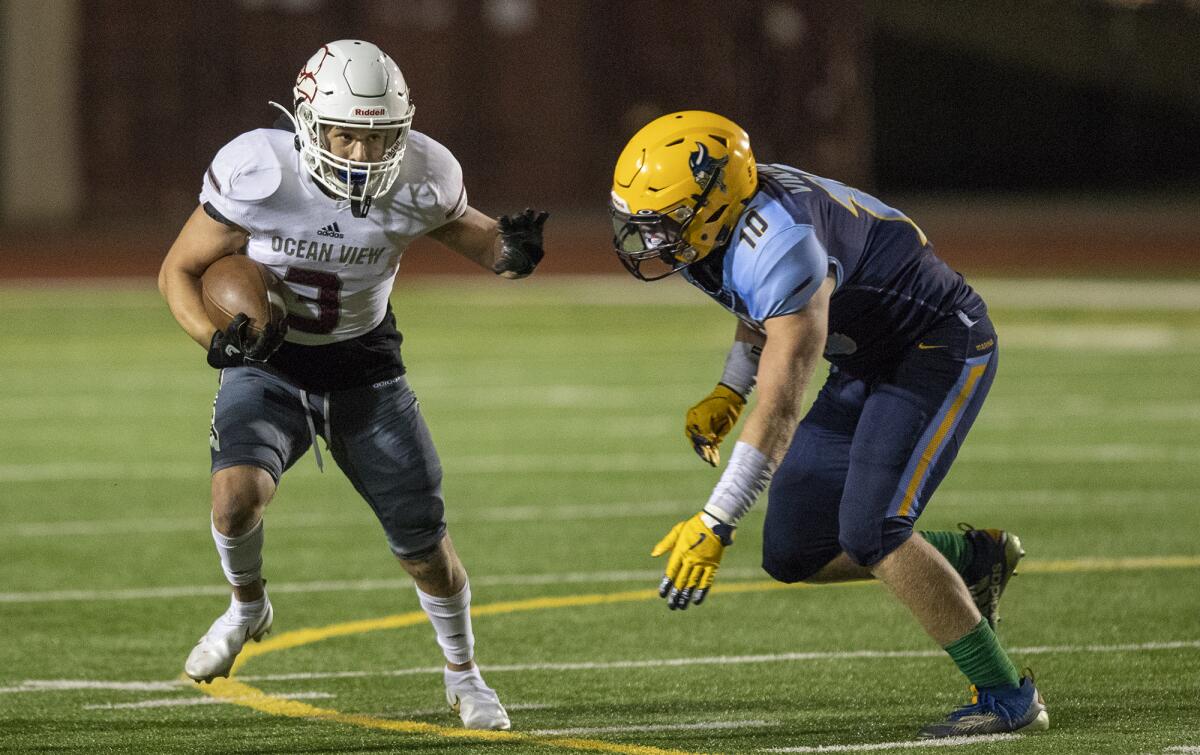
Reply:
x=716, y=214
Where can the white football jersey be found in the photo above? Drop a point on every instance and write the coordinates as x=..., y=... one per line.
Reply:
x=339, y=268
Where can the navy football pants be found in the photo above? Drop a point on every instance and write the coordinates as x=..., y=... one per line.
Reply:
x=870, y=452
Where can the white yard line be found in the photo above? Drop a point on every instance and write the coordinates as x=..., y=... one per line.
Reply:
x=1106, y=453
x=360, y=585
x=59, y=685
x=423, y=712
x=646, y=576
x=912, y=744
x=1128, y=339
x=730, y=660
x=99, y=470
x=698, y=726
x=175, y=702
x=1103, y=295
x=615, y=463
x=551, y=511
x=559, y=511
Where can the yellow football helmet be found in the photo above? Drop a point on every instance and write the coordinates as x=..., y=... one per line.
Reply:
x=678, y=190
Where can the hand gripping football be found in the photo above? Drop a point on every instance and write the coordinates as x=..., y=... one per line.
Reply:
x=237, y=284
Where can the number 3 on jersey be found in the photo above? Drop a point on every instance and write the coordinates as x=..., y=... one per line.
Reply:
x=327, y=302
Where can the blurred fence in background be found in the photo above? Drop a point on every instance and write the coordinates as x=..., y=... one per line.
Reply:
x=113, y=108
x=534, y=98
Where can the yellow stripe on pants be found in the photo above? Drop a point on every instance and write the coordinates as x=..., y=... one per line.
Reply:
x=914, y=484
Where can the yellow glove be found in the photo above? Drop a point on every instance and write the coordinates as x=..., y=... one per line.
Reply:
x=696, y=548
x=709, y=421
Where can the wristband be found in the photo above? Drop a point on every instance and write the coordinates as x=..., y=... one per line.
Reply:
x=744, y=479
x=720, y=529
x=741, y=368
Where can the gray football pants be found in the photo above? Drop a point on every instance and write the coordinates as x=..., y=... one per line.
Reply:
x=376, y=434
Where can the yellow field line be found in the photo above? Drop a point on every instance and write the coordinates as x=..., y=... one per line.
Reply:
x=1076, y=565
x=300, y=637
x=237, y=692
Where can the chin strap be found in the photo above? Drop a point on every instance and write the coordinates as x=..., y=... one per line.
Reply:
x=359, y=207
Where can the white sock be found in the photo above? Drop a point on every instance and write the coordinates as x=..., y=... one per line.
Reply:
x=241, y=556
x=241, y=612
x=451, y=619
x=455, y=678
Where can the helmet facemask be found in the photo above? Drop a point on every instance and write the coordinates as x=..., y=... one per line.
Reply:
x=356, y=181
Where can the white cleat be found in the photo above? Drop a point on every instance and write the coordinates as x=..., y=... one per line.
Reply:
x=475, y=702
x=214, y=654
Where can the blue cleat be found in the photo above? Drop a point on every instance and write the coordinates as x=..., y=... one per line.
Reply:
x=997, y=553
x=995, y=711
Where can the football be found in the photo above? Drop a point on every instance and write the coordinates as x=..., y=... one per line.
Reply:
x=236, y=284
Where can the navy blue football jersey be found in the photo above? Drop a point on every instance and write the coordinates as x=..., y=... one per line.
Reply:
x=799, y=228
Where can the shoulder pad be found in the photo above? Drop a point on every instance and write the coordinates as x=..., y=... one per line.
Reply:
x=248, y=168
x=788, y=270
x=441, y=172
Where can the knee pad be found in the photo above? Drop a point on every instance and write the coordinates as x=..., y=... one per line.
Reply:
x=867, y=543
x=414, y=522
x=789, y=563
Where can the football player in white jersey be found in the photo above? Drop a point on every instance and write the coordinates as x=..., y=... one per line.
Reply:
x=330, y=208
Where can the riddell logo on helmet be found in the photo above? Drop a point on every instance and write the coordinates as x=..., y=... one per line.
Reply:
x=370, y=112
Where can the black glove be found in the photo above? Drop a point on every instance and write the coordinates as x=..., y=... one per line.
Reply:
x=520, y=243
x=235, y=345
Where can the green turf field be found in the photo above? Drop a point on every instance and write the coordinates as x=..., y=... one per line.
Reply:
x=557, y=406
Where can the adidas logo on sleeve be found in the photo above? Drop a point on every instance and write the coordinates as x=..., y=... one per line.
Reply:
x=331, y=230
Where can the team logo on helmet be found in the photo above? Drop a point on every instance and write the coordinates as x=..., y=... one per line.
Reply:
x=704, y=166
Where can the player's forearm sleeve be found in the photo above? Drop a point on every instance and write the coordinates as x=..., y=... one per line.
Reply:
x=745, y=478
x=741, y=367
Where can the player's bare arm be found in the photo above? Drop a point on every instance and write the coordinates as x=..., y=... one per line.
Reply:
x=474, y=235
x=511, y=247
x=748, y=335
x=201, y=242
x=794, y=344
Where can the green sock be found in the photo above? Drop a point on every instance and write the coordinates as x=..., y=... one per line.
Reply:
x=954, y=546
x=979, y=656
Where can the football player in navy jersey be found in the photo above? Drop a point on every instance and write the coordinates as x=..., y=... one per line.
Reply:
x=811, y=267
x=329, y=207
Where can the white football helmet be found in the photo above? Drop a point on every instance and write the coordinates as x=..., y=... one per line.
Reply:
x=352, y=84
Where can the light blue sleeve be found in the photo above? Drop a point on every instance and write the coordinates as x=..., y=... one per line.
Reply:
x=788, y=271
